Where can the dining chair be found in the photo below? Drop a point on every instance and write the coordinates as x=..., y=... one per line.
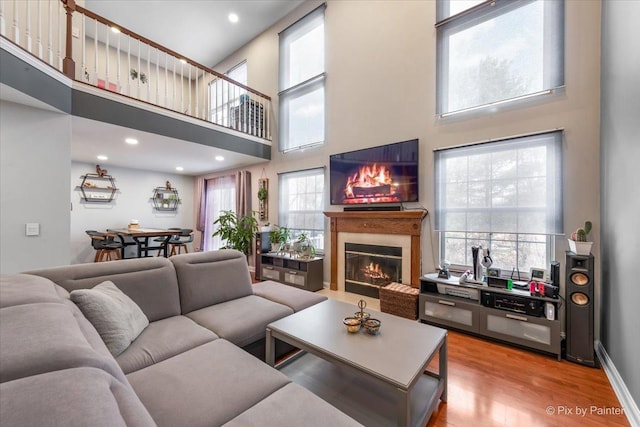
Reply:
x=179, y=241
x=162, y=239
x=106, y=248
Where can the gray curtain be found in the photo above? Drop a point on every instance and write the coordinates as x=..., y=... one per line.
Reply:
x=201, y=203
x=243, y=194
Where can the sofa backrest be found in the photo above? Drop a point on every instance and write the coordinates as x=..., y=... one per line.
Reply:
x=149, y=282
x=207, y=278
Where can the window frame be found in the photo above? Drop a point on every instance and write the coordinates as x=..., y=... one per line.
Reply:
x=292, y=90
x=282, y=195
x=553, y=77
x=552, y=140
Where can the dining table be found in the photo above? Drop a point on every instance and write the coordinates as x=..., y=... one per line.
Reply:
x=141, y=238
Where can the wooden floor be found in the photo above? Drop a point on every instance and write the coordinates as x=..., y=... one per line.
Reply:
x=492, y=384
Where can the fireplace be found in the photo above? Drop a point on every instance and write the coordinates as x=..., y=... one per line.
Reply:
x=370, y=267
x=391, y=228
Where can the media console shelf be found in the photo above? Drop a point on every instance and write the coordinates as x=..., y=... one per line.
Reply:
x=469, y=314
x=298, y=272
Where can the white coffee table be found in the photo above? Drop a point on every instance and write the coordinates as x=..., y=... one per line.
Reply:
x=373, y=378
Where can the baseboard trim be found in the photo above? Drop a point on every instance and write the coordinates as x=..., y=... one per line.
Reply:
x=619, y=387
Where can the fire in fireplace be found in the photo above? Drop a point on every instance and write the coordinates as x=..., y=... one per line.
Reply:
x=369, y=267
x=370, y=182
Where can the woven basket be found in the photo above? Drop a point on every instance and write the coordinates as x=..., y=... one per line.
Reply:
x=401, y=300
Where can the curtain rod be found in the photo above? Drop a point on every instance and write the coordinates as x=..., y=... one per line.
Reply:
x=301, y=170
x=486, y=141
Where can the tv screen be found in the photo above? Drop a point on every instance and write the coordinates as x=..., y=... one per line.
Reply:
x=384, y=174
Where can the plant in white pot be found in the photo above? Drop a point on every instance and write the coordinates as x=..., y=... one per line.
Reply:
x=578, y=241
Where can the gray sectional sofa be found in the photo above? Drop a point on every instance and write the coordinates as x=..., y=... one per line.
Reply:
x=188, y=367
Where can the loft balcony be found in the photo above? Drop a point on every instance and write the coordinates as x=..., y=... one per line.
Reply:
x=80, y=63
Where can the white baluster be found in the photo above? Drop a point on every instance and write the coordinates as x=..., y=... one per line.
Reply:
x=3, y=24
x=60, y=35
x=166, y=79
x=95, y=52
x=106, y=50
x=50, y=41
x=16, y=27
x=148, y=73
x=173, y=92
x=27, y=30
x=139, y=70
x=83, y=41
x=157, y=76
x=129, y=65
x=118, y=72
x=39, y=35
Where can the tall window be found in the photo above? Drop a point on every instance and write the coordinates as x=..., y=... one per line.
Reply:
x=505, y=196
x=301, y=204
x=220, y=196
x=224, y=95
x=302, y=82
x=493, y=51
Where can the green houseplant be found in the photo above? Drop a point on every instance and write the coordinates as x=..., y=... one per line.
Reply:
x=578, y=241
x=236, y=232
x=279, y=237
x=304, y=247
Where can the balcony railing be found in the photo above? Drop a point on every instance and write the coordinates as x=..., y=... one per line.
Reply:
x=95, y=51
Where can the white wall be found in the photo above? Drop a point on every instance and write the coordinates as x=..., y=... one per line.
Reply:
x=133, y=201
x=380, y=88
x=620, y=201
x=34, y=178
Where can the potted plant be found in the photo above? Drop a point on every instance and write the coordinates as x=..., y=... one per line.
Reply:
x=279, y=237
x=237, y=232
x=304, y=247
x=578, y=241
x=263, y=193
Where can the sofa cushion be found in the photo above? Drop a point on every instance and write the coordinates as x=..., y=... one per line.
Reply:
x=292, y=406
x=17, y=289
x=149, y=282
x=38, y=338
x=161, y=340
x=115, y=316
x=206, y=386
x=208, y=278
x=71, y=397
x=241, y=321
x=297, y=299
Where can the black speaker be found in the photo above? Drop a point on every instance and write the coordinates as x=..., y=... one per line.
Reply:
x=263, y=245
x=580, y=308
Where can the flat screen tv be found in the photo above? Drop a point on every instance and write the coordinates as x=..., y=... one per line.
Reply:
x=384, y=174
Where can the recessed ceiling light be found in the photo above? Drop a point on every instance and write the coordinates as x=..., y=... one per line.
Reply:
x=115, y=30
x=219, y=158
x=233, y=18
x=102, y=157
x=131, y=141
x=179, y=168
x=184, y=61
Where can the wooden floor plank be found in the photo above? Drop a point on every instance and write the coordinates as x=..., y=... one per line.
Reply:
x=494, y=384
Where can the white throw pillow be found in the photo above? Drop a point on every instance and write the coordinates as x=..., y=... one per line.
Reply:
x=115, y=316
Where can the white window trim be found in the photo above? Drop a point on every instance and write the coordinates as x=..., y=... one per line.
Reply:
x=298, y=89
x=484, y=11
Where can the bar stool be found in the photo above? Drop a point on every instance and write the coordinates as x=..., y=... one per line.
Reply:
x=106, y=248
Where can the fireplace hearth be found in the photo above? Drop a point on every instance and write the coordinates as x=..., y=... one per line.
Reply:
x=370, y=267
